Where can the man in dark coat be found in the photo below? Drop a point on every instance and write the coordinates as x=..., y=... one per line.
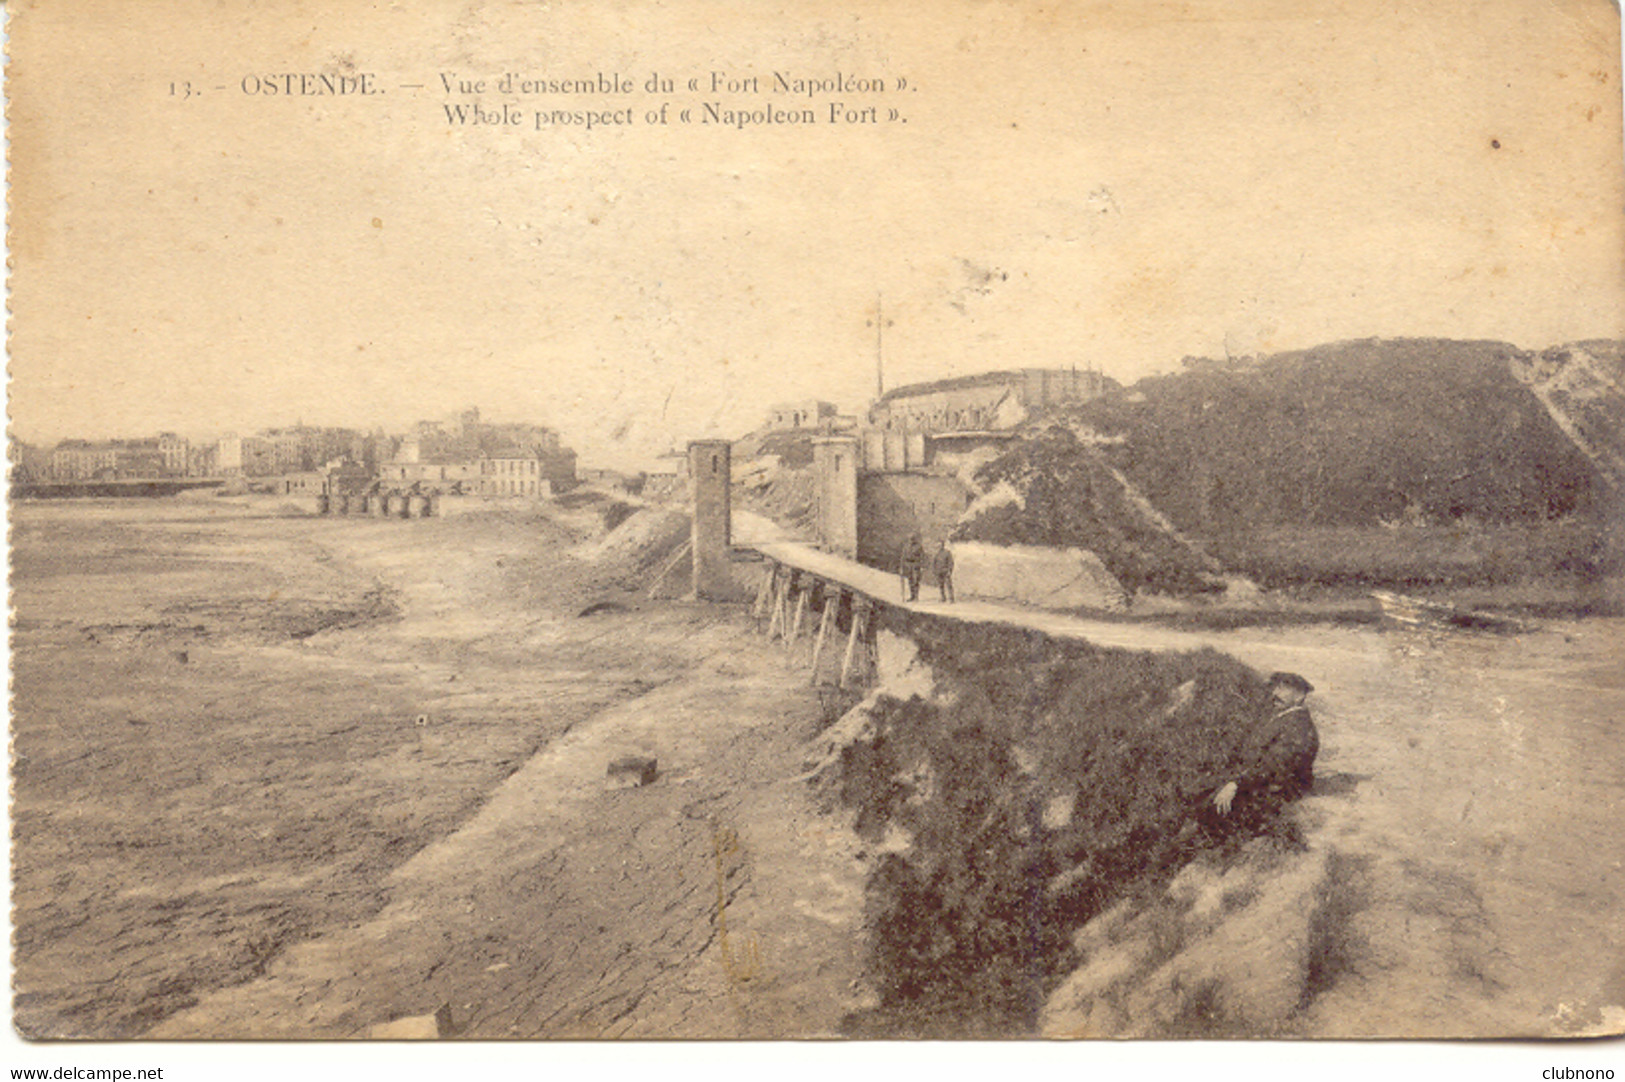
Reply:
x=911, y=566
x=942, y=569
x=1274, y=765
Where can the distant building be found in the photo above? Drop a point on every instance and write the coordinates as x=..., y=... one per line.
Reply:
x=901, y=472
x=302, y=448
x=173, y=448
x=29, y=463
x=466, y=438
x=245, y=456
x=810, y=414
x=304, y=483
x=466, y=454
x=437, y=474
x=601, y=475
x=82, y=460
x=518, y=475
x=342, y=479
x=285, y=449
x=532, y=472
x=259, y=457
x=202, y=460
x=987, y=401
x=670, y=466
x=664, y=468
x=111, y=460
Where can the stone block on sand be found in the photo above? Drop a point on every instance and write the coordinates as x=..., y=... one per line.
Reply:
x=631, y=772
x=416, y=1027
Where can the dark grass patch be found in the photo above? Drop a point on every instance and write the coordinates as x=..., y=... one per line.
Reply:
x=972, y=922
x=1334, y=947
x=1364, y=615
x=1071, y=497
x=1349, y=434
x=1418, y=557
x=615, y=513
x=579, y=498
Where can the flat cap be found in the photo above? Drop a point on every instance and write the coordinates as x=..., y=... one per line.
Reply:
x=1291, y=680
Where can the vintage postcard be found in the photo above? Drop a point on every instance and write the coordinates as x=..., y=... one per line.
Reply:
x=645, y=520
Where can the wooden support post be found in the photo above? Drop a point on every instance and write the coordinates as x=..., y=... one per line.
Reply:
x=781, y=608
x=860, y=613
x=772, y=596
x=795, y=624
x=871, y=657
x=764, y=594
x=792, y=587
x=826, y=625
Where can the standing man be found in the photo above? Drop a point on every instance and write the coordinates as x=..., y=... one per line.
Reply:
x=1275, y=764
x=911, y=566
x=942, y=569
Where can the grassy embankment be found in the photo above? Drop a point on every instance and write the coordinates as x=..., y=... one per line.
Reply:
x=1405, y=464
x=1041, y=782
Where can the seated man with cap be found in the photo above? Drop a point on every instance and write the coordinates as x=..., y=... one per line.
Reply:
x=1276, y=764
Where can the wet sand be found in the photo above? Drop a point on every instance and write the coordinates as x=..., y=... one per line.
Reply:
x=222, y=775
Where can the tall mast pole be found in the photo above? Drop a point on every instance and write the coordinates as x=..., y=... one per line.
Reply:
x=880, y=337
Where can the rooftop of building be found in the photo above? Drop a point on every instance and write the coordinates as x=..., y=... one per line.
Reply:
x=980, y=379
x=527, y=451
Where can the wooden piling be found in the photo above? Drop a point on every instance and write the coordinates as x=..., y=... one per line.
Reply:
x=765, y=593
x=795, y=625
x=860, y=618
x=826, y=625
x=780, y=603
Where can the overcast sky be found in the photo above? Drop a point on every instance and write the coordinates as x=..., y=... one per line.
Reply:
x=1118, y=186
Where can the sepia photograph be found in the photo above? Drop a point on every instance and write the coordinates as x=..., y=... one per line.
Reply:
x=854, y=522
